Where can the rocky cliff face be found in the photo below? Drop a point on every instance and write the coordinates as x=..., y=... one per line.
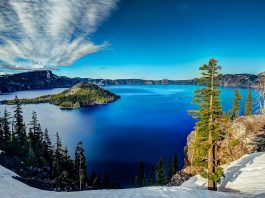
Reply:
x=46, y=79
x=242, y=80
x=247, y=135
x=36, y=80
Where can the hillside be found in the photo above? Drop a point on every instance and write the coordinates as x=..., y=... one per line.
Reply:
x=10, y=188
x=82, y=94
x=46, y=79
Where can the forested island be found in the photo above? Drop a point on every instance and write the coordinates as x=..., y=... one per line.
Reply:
x=82, y=94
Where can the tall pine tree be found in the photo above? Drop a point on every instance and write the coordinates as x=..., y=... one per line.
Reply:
x=161, y=180
x=236, y=104
x=80, y=165
x=152, y=179
x=207, y=129
x=20, y=142
x=6, y=130
x=249, y=109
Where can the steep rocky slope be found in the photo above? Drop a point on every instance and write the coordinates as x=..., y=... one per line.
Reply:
x=46, y=79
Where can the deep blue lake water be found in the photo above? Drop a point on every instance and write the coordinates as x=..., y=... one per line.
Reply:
x=148, y=121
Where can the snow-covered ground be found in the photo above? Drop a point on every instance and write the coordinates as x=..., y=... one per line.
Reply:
x=246, y=175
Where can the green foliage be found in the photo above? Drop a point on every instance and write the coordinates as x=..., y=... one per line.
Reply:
x=152, y=179
x=80, y=164
x=249, y=103
x=233, y=143
x=161, y=179
x=209, y=114
x=236, y=104
x=82, y=94
x=140, y=178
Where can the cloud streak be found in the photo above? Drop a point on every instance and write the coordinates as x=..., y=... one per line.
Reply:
x=37, y=34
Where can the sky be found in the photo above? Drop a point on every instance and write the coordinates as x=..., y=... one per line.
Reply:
x=149, y=39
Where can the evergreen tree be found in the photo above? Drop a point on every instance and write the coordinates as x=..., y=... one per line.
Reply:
x=1, y=135
x=20, y=142
x=106, y=182
x=141, y=179
x=80, y=164
x=176, y=164
x=170, y=168
x=236, y=104
x=248, y=108
x=161, y=172
x=152, y=179
x=207, y=129
x=58, y=156
x=6, y=130
x=47, y=148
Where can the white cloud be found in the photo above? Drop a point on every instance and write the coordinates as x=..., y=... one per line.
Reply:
x=37, y=34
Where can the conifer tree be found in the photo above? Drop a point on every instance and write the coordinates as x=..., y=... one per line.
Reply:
x=80, y=164
x=47, y=148
x=141, y=178
x=161, y=172
x=207, y=129
x=236, y=104
x=106, y=182
x=20, y=134
x=58, y=156
x=152, y=179
x=6, y=130
x=249, y=109
x=1, y=135
x=176, y=164
x=170, y=168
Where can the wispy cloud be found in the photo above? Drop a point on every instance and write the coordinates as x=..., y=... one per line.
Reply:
x=36, y=34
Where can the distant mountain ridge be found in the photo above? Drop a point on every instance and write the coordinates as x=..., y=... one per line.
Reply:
x=45, y=79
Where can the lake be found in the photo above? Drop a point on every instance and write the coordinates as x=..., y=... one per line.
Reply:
x=148, y=121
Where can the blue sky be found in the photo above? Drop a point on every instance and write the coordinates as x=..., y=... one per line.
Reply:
x=156, y=39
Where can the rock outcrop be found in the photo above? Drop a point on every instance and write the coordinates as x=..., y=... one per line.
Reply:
x=244, y=137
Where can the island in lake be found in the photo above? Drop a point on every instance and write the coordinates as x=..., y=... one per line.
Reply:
x=82, y=94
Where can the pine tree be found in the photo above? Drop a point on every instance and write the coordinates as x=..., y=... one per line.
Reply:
x=6, y=130
x=161, y=172
x=141, y=174
x=152, y=179
x=1, y=135
x=106, y=182
x=249, y=110
x=47, y=148
x=80, y=165
x=170, y=168
x=20, y=142
x=207, y=129
x=236, y=104
x=58, y=156
x=176, y=164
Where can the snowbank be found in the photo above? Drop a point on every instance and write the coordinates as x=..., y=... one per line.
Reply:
x=246, y=176
x=10, y=188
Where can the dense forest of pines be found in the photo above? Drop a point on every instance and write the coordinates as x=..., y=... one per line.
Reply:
x=44, y=161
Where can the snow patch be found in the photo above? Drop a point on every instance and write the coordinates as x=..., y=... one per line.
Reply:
x=10, y=188
x=245, y=175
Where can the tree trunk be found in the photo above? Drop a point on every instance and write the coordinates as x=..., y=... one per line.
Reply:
x=211, y=151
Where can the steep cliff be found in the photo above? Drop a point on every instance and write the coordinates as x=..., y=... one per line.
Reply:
x=45, y=79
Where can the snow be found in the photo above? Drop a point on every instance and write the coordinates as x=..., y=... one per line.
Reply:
x=245, y=176
x=10, y=188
